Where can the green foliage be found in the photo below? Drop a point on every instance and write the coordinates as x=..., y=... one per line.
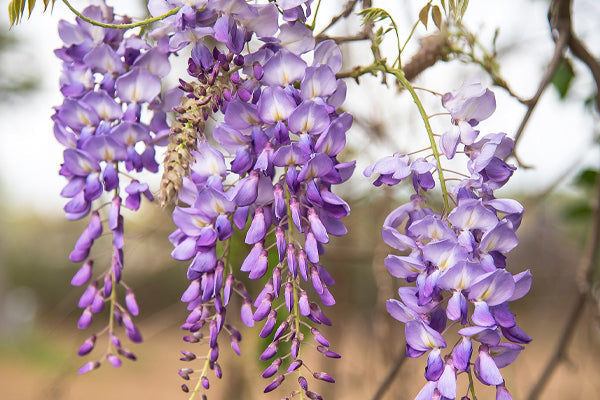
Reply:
x=563, y=76
x=586, y=178
x=377, y=15
x=16, y=9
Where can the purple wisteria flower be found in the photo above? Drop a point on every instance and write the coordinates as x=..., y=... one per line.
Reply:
x=283, y=134
x=108, y=78
x=457, y=259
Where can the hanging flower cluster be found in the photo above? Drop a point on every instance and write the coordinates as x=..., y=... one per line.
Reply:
x=281, y=127
x=109, y=81
x=456, y=260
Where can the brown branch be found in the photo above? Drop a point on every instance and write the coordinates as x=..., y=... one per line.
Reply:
x=580, y=51
x=585, y=271
x=344, y=39
x=344, y=14
x=384, y=386
x=560, y=19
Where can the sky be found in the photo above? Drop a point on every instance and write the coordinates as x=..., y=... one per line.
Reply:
x=558, y=137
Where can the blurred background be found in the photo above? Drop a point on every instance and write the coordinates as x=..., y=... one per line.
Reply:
x=38, y=314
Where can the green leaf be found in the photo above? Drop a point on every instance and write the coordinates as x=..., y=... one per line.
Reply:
x=436, y=15
x=424, y=14
x=561, y=80
x=587, y=178
x=16, y=9
x=30, y=5
x=463, y=7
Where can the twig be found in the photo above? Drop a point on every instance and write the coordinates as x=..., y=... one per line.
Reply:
x=346, y=38
x=344, y=14
x=588, y=260
x=562, y=18
x=588, y=59
x=385, y=385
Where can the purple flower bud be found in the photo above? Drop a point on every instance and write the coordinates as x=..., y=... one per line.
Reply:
x=289, y=296
x=281, y=330
x=205, y=383
x=264, y=308
x=127, y=353
x=185, y=373
x=98, y=303
x=279, y=201
x=187, y=356
x=313, y=395
x=83, y=274
x=269, y=324
x=317, y=315
x=227, y=289
x=318, y=337
x=280, y=241
x=261, y=266
x=114, y=360
x=323, y=377
x=87, y=346
x=185, y=388
x=272, y=369
x=316, y=280
x=86, y=319
x=273, y=385
x=214, y=333
x=276, y=281
x=295, y=347
x=303, y=304
x=246, y=313
x=88, y=295
x=270, y=351
x=294, y=365
x=192, y=292
x=214, y=353
x=328, y=353
x=303, y=383
x=291, y=259
x=108, y=286
x=131, y=303
x=258, y=228
x=296, y=215
x=89, y=366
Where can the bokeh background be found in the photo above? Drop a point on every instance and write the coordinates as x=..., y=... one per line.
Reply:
x=38, y=314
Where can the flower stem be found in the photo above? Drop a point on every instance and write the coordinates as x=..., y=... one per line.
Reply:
x=436, y=154
x=121, y=26
x=206, y=363
x=472, y=385
x=290, y=239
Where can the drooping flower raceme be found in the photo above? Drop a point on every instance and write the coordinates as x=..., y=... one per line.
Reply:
x=456, y=261
x=282, y=130
x=109, y=81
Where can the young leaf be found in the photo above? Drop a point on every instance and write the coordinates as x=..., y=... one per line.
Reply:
x=436, y=15
x=444, y=5
x=16, y=9
x=561, y=80
x=30, y=5
x=424, y=14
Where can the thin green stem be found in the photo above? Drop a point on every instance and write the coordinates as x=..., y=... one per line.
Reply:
x=121, y=26
x=312, y=26
x=472, y=385
x=111, y=317
x=295, y=285
x=436, y=154
x=197, y=388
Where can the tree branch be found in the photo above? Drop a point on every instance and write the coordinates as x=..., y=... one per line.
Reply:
x=587, y=262
x=561, y=21
x=344, y=14
x=384, y=386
